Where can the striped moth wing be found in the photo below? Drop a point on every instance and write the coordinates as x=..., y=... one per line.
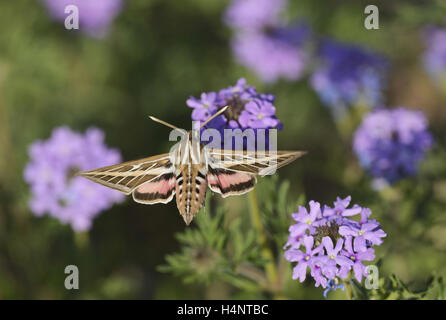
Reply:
x=229, y=183
x=252, y=162
x=233, y=172
x=159, y=190
x=150, y=180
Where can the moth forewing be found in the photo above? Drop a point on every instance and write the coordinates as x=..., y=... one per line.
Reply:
x=127, y=176
x=251, y=161
x=280, y=159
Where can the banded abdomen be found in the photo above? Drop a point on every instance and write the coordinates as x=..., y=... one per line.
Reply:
x=190, y=190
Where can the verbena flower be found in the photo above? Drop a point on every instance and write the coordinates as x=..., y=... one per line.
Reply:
x=330, y=243
x=264, y=43
x=333, y=258
x=56, y=190
x=304, y=260
x=254, y=14
x=357, y=255
x=95, y=16
x=348, y=75
x=248, y=109
x=391, y=143
x=269, y=56
x=434, y=58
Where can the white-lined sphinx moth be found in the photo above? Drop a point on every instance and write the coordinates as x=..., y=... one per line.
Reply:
x=187, y=171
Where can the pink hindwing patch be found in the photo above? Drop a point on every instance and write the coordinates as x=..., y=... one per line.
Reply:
x=228, y=182
x=160, y=190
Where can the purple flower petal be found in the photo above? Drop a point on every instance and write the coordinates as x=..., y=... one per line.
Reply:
x=358, y=269
x=367, y=255
x=308, y=242
x=328, y=244
x=294, y=255
x=300, y=271
x=347, y=231
x=359, y=244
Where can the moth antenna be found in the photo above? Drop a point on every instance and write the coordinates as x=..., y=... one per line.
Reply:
x=215, y=115
x=163, y=122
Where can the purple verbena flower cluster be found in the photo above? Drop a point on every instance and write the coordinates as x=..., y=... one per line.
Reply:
x=391, y=143
x=95, y=16
x=248, y=109
x=264, y=43
x=348, y=75
x=55, y=188
x=434, y=58
x=329, y=243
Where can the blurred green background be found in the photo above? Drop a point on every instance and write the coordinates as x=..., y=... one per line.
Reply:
x=156, y=55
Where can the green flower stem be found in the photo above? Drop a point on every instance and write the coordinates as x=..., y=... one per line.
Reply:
x=348, y=289
x=270, y=267
x=81, y=239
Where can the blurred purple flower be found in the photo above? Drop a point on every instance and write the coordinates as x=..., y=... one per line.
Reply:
x=391, y=143
x=263, y=43
x=434, y=58
x=348, y=75
x=334, y=247
x=269, y=57
x=254, y=14
x=95, y=16
x=55, y=188
x=248, y=109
